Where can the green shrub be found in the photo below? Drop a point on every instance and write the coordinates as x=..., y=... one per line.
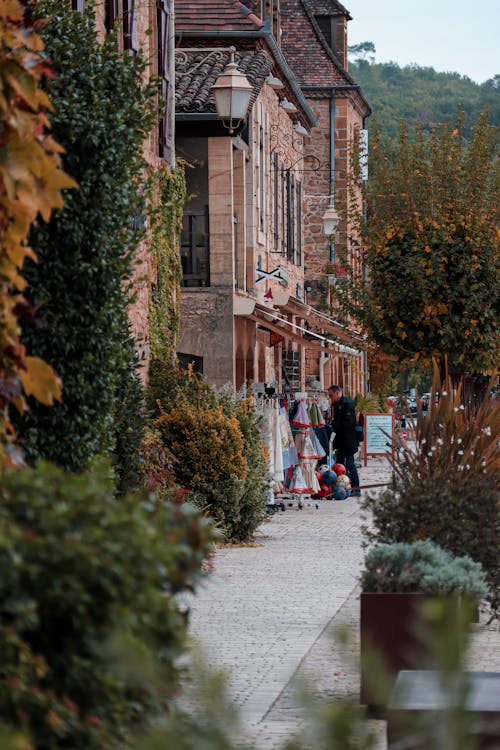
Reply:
x=447, y=487
x=78, y=566
x=103, y=113
x=207, y=445
x=422, y=566
x=169, y=384
x=129, y=423
x=157, y=465
x=221, y=499
x=255, y=490
x=215, y=440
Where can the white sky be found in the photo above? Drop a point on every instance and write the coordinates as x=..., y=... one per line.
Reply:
x=450, y=35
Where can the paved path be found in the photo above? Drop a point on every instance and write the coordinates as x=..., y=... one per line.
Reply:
x=266, y=613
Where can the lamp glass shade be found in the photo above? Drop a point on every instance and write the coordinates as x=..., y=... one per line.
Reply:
x=330, y=220
x=232, y=92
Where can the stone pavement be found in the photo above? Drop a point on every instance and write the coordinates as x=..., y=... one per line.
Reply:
x=267, y=612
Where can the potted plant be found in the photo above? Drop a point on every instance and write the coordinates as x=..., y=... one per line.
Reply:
x=396, y=583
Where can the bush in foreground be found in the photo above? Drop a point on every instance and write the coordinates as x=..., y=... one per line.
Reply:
x=447, y=488
x=79, y=567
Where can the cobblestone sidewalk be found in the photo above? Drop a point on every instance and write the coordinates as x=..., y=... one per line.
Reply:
x=266, y=614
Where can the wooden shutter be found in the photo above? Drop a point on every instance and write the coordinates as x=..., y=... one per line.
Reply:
x=298, y=215
x=130, y=41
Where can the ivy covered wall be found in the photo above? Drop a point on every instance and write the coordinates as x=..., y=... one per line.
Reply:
x=103, y=114
x=165, y=291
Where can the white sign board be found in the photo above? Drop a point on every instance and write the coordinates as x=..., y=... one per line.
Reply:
x=379, y=435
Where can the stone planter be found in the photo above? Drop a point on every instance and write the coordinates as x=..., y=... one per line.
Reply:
x=389, y=626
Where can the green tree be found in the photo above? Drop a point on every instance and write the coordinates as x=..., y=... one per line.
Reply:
x=429, y=239
x=362, y=51
x=103, y=112
x=421, y=95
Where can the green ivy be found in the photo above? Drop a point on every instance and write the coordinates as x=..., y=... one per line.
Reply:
x=165, y=295
x=103, y=113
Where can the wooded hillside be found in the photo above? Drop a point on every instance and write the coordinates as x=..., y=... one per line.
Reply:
x=422, y=95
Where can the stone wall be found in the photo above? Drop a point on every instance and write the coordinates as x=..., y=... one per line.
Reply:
x=207, y=331
x=145, y=272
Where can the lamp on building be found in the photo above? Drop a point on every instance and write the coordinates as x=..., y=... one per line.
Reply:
x=232, y=91
x=330, y=220
x=300, y=129
x=274, y=82
x=288, y=106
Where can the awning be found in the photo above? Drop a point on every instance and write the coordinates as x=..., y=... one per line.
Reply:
x=347, y=335
x=275, y=320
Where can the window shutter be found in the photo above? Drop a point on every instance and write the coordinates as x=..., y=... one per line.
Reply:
x=130, y=41
x=299, y=223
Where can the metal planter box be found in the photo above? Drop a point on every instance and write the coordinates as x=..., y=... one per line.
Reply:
x=389, y=626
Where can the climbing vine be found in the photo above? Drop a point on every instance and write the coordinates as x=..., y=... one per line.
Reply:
x=165, y=293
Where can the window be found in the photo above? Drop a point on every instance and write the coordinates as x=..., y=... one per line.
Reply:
x=262, y=179
x=78, y=5
x=328, y=27
x=334, y=30
x=130, y=42
x=276, y=212
x=186, y=360
x=290, y=249
x=163, y=27
x=298, y=214
x=112, y=13
x=195, y=249
x=283, y=210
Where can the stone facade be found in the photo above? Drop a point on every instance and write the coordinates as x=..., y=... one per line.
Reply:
x=315, y=42
x=148, y=38
x=251, y=231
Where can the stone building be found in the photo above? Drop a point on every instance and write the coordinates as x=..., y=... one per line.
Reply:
x=243, y=311
x=148, y=27
x=314, y=41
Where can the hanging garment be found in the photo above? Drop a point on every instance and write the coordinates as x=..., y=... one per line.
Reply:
x=266, y=432
x=298, y=484
x=290, y=457
x=318, y=447
x=301, y=418
x=305, y=446
x=308, y=445
x=279, y=466
x=315, y=415
x=309, y=474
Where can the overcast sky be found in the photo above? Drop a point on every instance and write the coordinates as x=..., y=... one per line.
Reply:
x=449, y=35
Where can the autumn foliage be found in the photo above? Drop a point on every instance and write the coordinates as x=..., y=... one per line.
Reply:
x=31, y=180
x=428, y=235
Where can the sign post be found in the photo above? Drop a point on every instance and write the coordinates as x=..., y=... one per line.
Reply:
x=379, y=435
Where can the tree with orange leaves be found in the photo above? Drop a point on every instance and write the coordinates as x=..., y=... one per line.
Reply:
x=428, y=235
x=31, y=179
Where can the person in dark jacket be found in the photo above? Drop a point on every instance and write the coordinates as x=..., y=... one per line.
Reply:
x=345, y=442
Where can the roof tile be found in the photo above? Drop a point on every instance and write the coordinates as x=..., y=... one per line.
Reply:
x=193, y=88
x=207, y=15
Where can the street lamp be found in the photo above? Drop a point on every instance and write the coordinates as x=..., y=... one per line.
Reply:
x=330, y=220
x=232, y=91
